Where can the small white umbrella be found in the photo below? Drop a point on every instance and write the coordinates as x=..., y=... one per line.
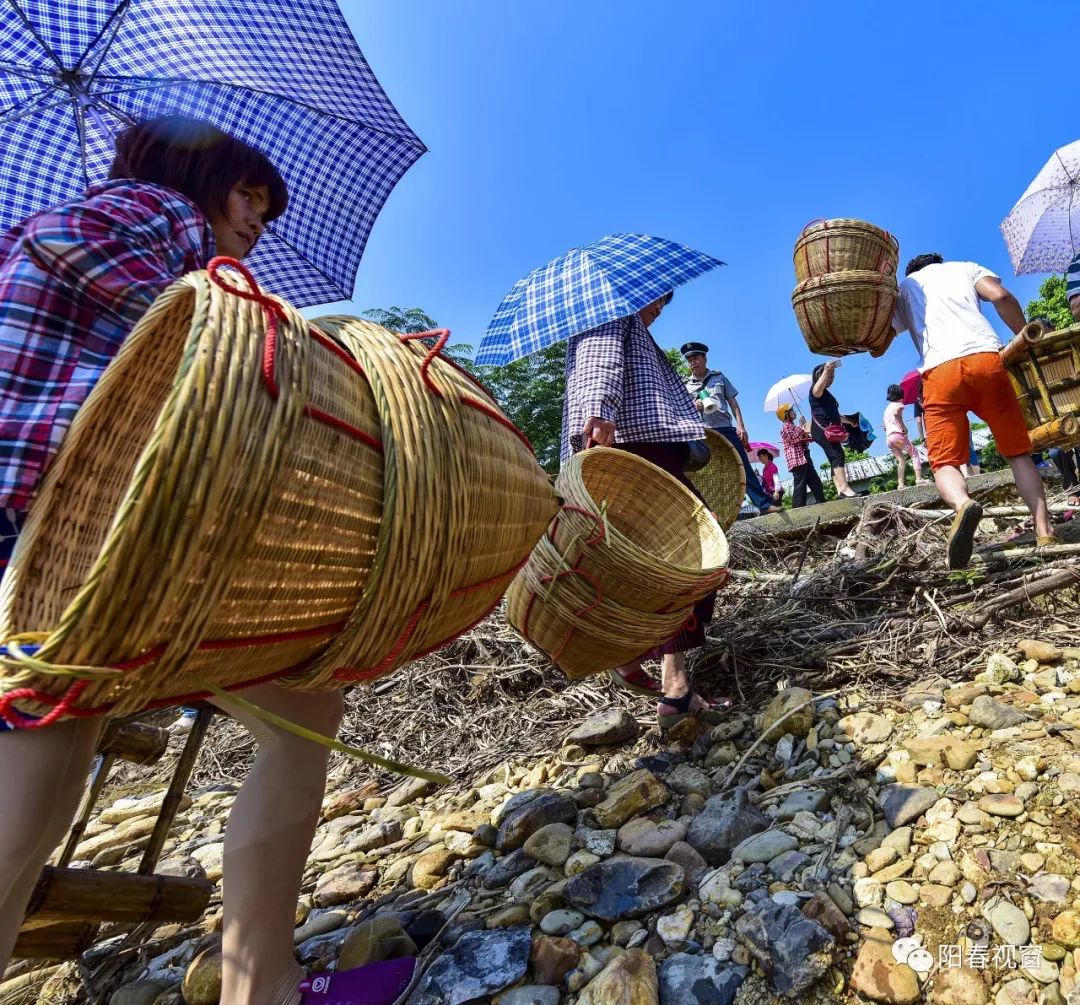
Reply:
x=1042, y=232
x=792, y=390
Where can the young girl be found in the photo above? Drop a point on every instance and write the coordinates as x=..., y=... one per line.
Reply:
x=73, y=282
x=796, y=444
x=769, y=473
x=896, y=436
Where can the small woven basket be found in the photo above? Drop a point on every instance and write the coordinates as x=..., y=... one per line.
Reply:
x=722, y=482
x=246, y=497
x=621, y=565
x=1044, y=368
x=846, y=312
x=844, y=245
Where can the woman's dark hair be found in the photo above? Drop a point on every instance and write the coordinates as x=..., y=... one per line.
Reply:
x=767, y=453
x=197, y=160
x=815, y=374
x=922, y=261
x=894, y=392
x=667, y=298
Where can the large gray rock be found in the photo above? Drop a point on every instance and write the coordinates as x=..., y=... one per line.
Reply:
x=989, y=713
x=507, y=869
x=727, y=820
x=904, y=804
x=625, y=887
x=525, y=820
x=612, y=725
x=698, y=980
x=475, y=967
x=792, y=949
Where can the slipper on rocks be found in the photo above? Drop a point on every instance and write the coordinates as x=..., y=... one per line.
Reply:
x=637, y=682
x=379, y=983
x=962, y=534
x=713, y=714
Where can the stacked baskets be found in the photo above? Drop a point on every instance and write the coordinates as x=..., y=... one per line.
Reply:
x=846, y=276
x=245, y=497
x=621, y=566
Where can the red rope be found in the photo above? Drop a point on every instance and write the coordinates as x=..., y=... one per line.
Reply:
x=60, y=706
x=441, y=336
x=600, y=529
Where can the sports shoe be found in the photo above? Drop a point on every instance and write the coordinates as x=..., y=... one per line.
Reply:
x=962, y=534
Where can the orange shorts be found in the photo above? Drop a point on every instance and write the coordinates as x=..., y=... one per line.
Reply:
x=979, y=384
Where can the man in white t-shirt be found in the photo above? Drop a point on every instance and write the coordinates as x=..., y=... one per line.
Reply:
x=940, y=303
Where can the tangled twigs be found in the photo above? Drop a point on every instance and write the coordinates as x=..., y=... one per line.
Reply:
x=1055, y=581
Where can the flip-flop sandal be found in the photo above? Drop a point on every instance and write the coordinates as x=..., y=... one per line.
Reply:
x=708, y=713
x=379, y=983
x=962, y=534
x=638, y=682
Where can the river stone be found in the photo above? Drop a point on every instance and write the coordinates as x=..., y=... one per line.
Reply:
x=145, y=992
x=1001, y=670
x=786, y=701
x=631, y=796
x=202, y=979
x=380, y=938
x=822, y=909
x=1009, y=922
x=989, y=713
x=561, y=921
x=960, y=986
x=649, y=838
x=727, y=820
x=476, y=966
x=625, y=887
x=795, y=951
x=628, y=979
x=612, y=725
x=507, y=869
x=550, y=844
x=803, y=801
x=697, y=980
x=348, y=882
x=1066, y=930
x=865, y=727
x=904, y=804
x=764, y=847
x=1050, y=887
x=530, y=994
x=878, y=976
x=523, y=821
x=1001, y=804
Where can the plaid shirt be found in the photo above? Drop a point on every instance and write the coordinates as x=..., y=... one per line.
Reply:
x=794, y=439
x=74, y=280
x=618, y=373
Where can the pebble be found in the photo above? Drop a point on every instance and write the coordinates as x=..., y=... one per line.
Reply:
x=561, y=921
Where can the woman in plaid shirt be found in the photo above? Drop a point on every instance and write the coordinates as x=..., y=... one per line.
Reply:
x=74, y=280
x=796, y=443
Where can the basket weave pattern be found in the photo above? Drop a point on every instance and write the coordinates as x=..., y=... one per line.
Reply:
x=722, y=482
x=844, y=245
x=621, y=566
x=1045, y=373
x=245, y=497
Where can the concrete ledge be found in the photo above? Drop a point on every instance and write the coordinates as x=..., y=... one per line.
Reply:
x=842, y=512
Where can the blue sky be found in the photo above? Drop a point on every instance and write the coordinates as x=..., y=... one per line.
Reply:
x=726, y=126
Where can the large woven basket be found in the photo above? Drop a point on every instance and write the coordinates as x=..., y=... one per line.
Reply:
x=722, y=482
x=621, y=566
x=846, y=312
x=844, y=245
x=1045, y=372
x=246, y=497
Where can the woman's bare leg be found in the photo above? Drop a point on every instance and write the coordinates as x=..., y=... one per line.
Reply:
x=839, y=477
x=41, y=784
x=267, y=842
x=901, y=465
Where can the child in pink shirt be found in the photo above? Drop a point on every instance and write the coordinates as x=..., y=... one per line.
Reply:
x=896, y=436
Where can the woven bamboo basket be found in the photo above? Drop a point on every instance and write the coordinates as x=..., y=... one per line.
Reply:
x=844, y=245
x=1045, y=372
x=621, y=565
x=245, y=497
x=846, y=312
x=722, y=482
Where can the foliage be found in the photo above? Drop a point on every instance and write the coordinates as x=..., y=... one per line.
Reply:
x=678, y=363
x=531, y=392
x=412, y=321
x=1052, y=303
x=856, y=455
x=990, y=459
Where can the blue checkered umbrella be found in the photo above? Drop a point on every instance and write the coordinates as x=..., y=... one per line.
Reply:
x=287, y=78
x=608, y=279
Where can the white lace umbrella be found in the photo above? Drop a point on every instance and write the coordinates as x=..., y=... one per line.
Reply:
x=1042, y=232
x=791, y=390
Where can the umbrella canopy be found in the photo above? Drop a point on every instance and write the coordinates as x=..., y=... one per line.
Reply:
x=754, y=446
x=792, y=390
x=286, y=78
x=909, y=384
x=1042, y=231
x=608, y=279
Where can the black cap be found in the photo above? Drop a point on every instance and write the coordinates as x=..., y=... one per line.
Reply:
x=692, y=347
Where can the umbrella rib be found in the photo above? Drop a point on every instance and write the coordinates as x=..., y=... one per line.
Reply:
x=116, y=18
x=23, y=109
x=27, y=73
x=153, y=82
x=33, y=31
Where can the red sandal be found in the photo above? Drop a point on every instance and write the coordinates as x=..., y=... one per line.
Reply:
x=637, y=682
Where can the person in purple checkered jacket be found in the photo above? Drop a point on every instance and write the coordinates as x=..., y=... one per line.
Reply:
x=622, y=391
x=74, y=280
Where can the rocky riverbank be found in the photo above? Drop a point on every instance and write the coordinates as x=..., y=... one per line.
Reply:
x=829, y=848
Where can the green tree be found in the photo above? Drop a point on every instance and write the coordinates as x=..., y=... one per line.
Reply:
x=531, y=391
x=1052, y=303
x=412, y=321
